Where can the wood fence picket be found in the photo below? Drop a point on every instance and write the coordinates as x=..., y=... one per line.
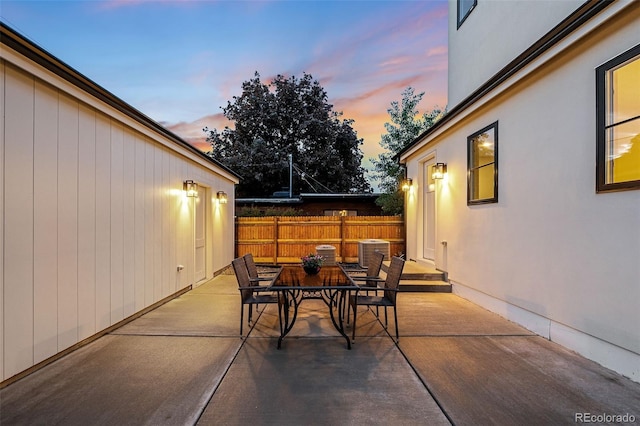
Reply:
x=284, y=239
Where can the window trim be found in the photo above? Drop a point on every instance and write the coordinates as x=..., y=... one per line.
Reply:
x=494, y=199
x=601, y=124
x=461, y=19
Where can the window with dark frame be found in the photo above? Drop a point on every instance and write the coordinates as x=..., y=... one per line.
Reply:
x=618, y=123
x=464, y=9
x=482, y=169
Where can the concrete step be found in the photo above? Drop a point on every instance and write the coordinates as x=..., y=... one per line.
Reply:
x=420, y=278
x=417, y=286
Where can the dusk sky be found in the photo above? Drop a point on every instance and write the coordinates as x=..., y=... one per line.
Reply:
x=179, y=62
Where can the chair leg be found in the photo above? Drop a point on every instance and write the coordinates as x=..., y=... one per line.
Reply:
x=344, y=305
x=348, y=308
x=241, y=316
x=355, y=315
x=395, y=318
x=386, y=323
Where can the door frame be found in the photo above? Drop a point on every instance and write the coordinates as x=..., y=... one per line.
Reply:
x=203, y=197
x=425, y=162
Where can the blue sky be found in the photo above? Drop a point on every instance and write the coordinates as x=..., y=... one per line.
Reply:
x=179, y=62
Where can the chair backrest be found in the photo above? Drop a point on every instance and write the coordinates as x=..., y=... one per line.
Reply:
x=375, y=264
x=393, y=278
x=252, y=269
x=373, y=268
x=240, y=269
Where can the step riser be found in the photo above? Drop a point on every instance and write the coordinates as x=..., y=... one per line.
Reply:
x=419, y=276
x=424, y=277
x=425, y=288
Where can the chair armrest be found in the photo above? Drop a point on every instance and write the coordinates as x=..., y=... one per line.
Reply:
x=268, y=275
x=256, y=288
x=376, y=279
x=260, y=279
x=266, y=266
x=369, y=287
x=366, y=287
x=262, y=289
x=347, y=267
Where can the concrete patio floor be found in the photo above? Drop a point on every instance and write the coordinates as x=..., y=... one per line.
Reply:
x=184, y=364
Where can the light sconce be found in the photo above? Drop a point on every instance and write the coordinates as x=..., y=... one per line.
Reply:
x=406, y=184
x=439, y=170
x=190, y=188
x=222, y=197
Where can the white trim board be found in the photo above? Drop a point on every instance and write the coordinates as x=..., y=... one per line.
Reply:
x=618, y=359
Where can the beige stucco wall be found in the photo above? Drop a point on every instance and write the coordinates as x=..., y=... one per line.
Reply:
x=493, y=35
x=95, y=221
x=552, y=254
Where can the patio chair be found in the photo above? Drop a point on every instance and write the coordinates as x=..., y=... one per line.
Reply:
x=249, y=294
x=369, y=278
x=268, y=273
x=386, y=300
x=372, y=273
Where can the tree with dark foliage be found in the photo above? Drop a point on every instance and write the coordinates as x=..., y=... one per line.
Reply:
x=288, y=116
x=406, y=124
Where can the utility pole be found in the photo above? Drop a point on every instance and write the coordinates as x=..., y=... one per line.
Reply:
x=290, y=175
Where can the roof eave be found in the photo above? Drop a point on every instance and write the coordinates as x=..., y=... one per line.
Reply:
x=35, y=53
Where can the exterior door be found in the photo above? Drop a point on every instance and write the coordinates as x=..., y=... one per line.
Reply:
x=429, y=210
x=200, y=236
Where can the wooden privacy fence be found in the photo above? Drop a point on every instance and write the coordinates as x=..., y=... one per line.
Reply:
x=284, y=239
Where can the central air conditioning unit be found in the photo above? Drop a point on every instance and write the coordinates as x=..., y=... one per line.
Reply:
x=328, y=253
x=367, y=247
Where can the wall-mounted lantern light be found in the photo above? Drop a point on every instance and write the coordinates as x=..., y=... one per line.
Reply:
x=406, y=184
x=190, y=188
x=439, y=170
x=222, y=197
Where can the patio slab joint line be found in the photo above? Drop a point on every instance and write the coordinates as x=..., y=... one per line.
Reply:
x=444, y=412
x=226, y=371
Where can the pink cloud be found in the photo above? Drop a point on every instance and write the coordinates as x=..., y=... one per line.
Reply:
x=369, y=108
x=438, y=51
x=193, y=133
x=399, y=60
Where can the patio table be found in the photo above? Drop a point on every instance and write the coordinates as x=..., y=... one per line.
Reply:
x=331, y=284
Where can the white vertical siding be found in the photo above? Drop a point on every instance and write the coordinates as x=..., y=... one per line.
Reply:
x=174, y=212
x=117, y=224
x=148, y=225
x=45, y=225
x=168, y=285
x=185, y=239
x=95, y=221
x=67, y=222
x=18, y=221
x=139, y=225
x=103, y=222
x=87, y=223
x=157, y=233
x=128, y=192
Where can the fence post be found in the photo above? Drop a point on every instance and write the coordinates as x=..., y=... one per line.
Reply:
x=275, y=240
x=343, y=241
